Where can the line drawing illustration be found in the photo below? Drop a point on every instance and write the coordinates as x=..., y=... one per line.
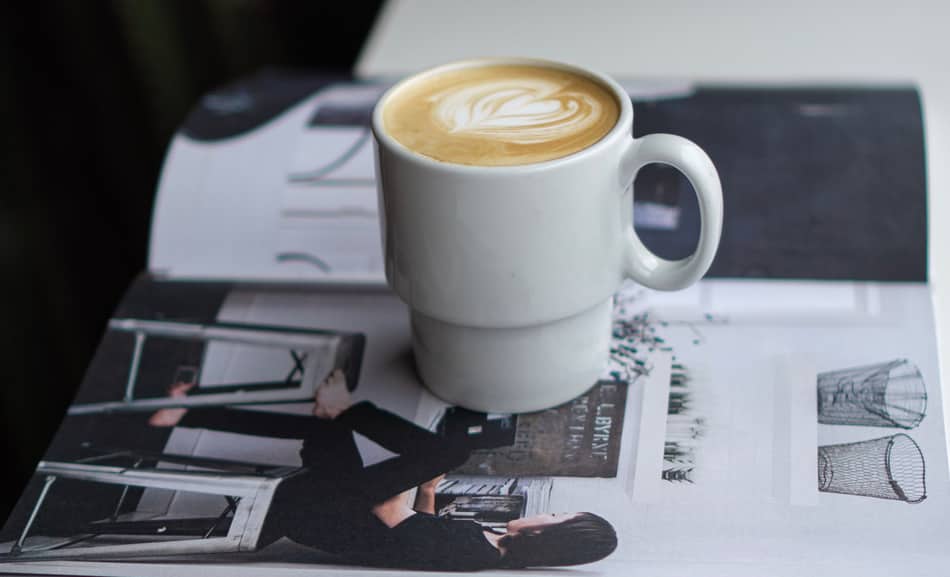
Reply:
x=885, y=468
x=891, y=394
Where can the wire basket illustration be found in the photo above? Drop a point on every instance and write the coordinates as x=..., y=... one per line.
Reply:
x=889, y=394
x=885, y=468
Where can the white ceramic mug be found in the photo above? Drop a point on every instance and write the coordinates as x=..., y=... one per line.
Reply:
x=509, y=271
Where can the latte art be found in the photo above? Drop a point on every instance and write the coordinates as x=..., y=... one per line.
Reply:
x=522, y=111
x=500, y=115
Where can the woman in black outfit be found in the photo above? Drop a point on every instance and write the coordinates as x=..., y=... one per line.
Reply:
x=362, y=513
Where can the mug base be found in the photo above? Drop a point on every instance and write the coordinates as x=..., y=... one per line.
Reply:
x=513, y=370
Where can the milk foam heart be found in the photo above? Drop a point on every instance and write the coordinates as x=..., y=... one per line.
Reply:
x=500, y=115
x=522, y=111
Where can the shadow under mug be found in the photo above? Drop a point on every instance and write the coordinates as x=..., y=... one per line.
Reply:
x=509, y=271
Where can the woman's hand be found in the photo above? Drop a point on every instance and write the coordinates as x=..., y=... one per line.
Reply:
x=332, y=397
x=432, y=484
x=425, y=495
x=171, y=417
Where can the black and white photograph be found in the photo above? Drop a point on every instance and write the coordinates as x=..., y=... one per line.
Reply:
x=225, y=441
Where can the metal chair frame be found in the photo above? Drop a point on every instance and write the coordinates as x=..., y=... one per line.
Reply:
x=299, y=385
x=248, y=490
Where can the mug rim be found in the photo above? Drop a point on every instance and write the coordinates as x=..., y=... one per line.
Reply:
x=624, y=123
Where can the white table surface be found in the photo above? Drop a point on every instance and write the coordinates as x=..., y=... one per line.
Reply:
x=727, y=40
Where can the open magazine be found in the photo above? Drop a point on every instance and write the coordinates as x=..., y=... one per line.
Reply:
x=253, y=408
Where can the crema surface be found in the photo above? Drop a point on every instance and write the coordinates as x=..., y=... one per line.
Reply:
x=500, y=115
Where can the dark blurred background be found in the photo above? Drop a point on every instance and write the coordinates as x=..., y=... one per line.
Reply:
x=90, y=95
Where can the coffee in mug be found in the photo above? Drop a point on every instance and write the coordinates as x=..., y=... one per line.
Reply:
x=501, y=115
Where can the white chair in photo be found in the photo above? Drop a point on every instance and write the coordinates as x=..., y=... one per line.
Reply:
x=240, y=494
x=271, y=365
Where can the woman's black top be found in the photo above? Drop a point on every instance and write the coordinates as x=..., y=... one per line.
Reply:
x=422, y=542
x=329, y=505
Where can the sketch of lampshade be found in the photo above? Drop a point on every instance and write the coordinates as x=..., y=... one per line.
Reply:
x=885, y=468
x=889, y=394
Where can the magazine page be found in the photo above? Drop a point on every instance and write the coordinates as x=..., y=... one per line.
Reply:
x=272, y=180
x=740, y=428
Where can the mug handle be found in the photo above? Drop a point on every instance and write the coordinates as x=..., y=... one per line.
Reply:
x=641, y=265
